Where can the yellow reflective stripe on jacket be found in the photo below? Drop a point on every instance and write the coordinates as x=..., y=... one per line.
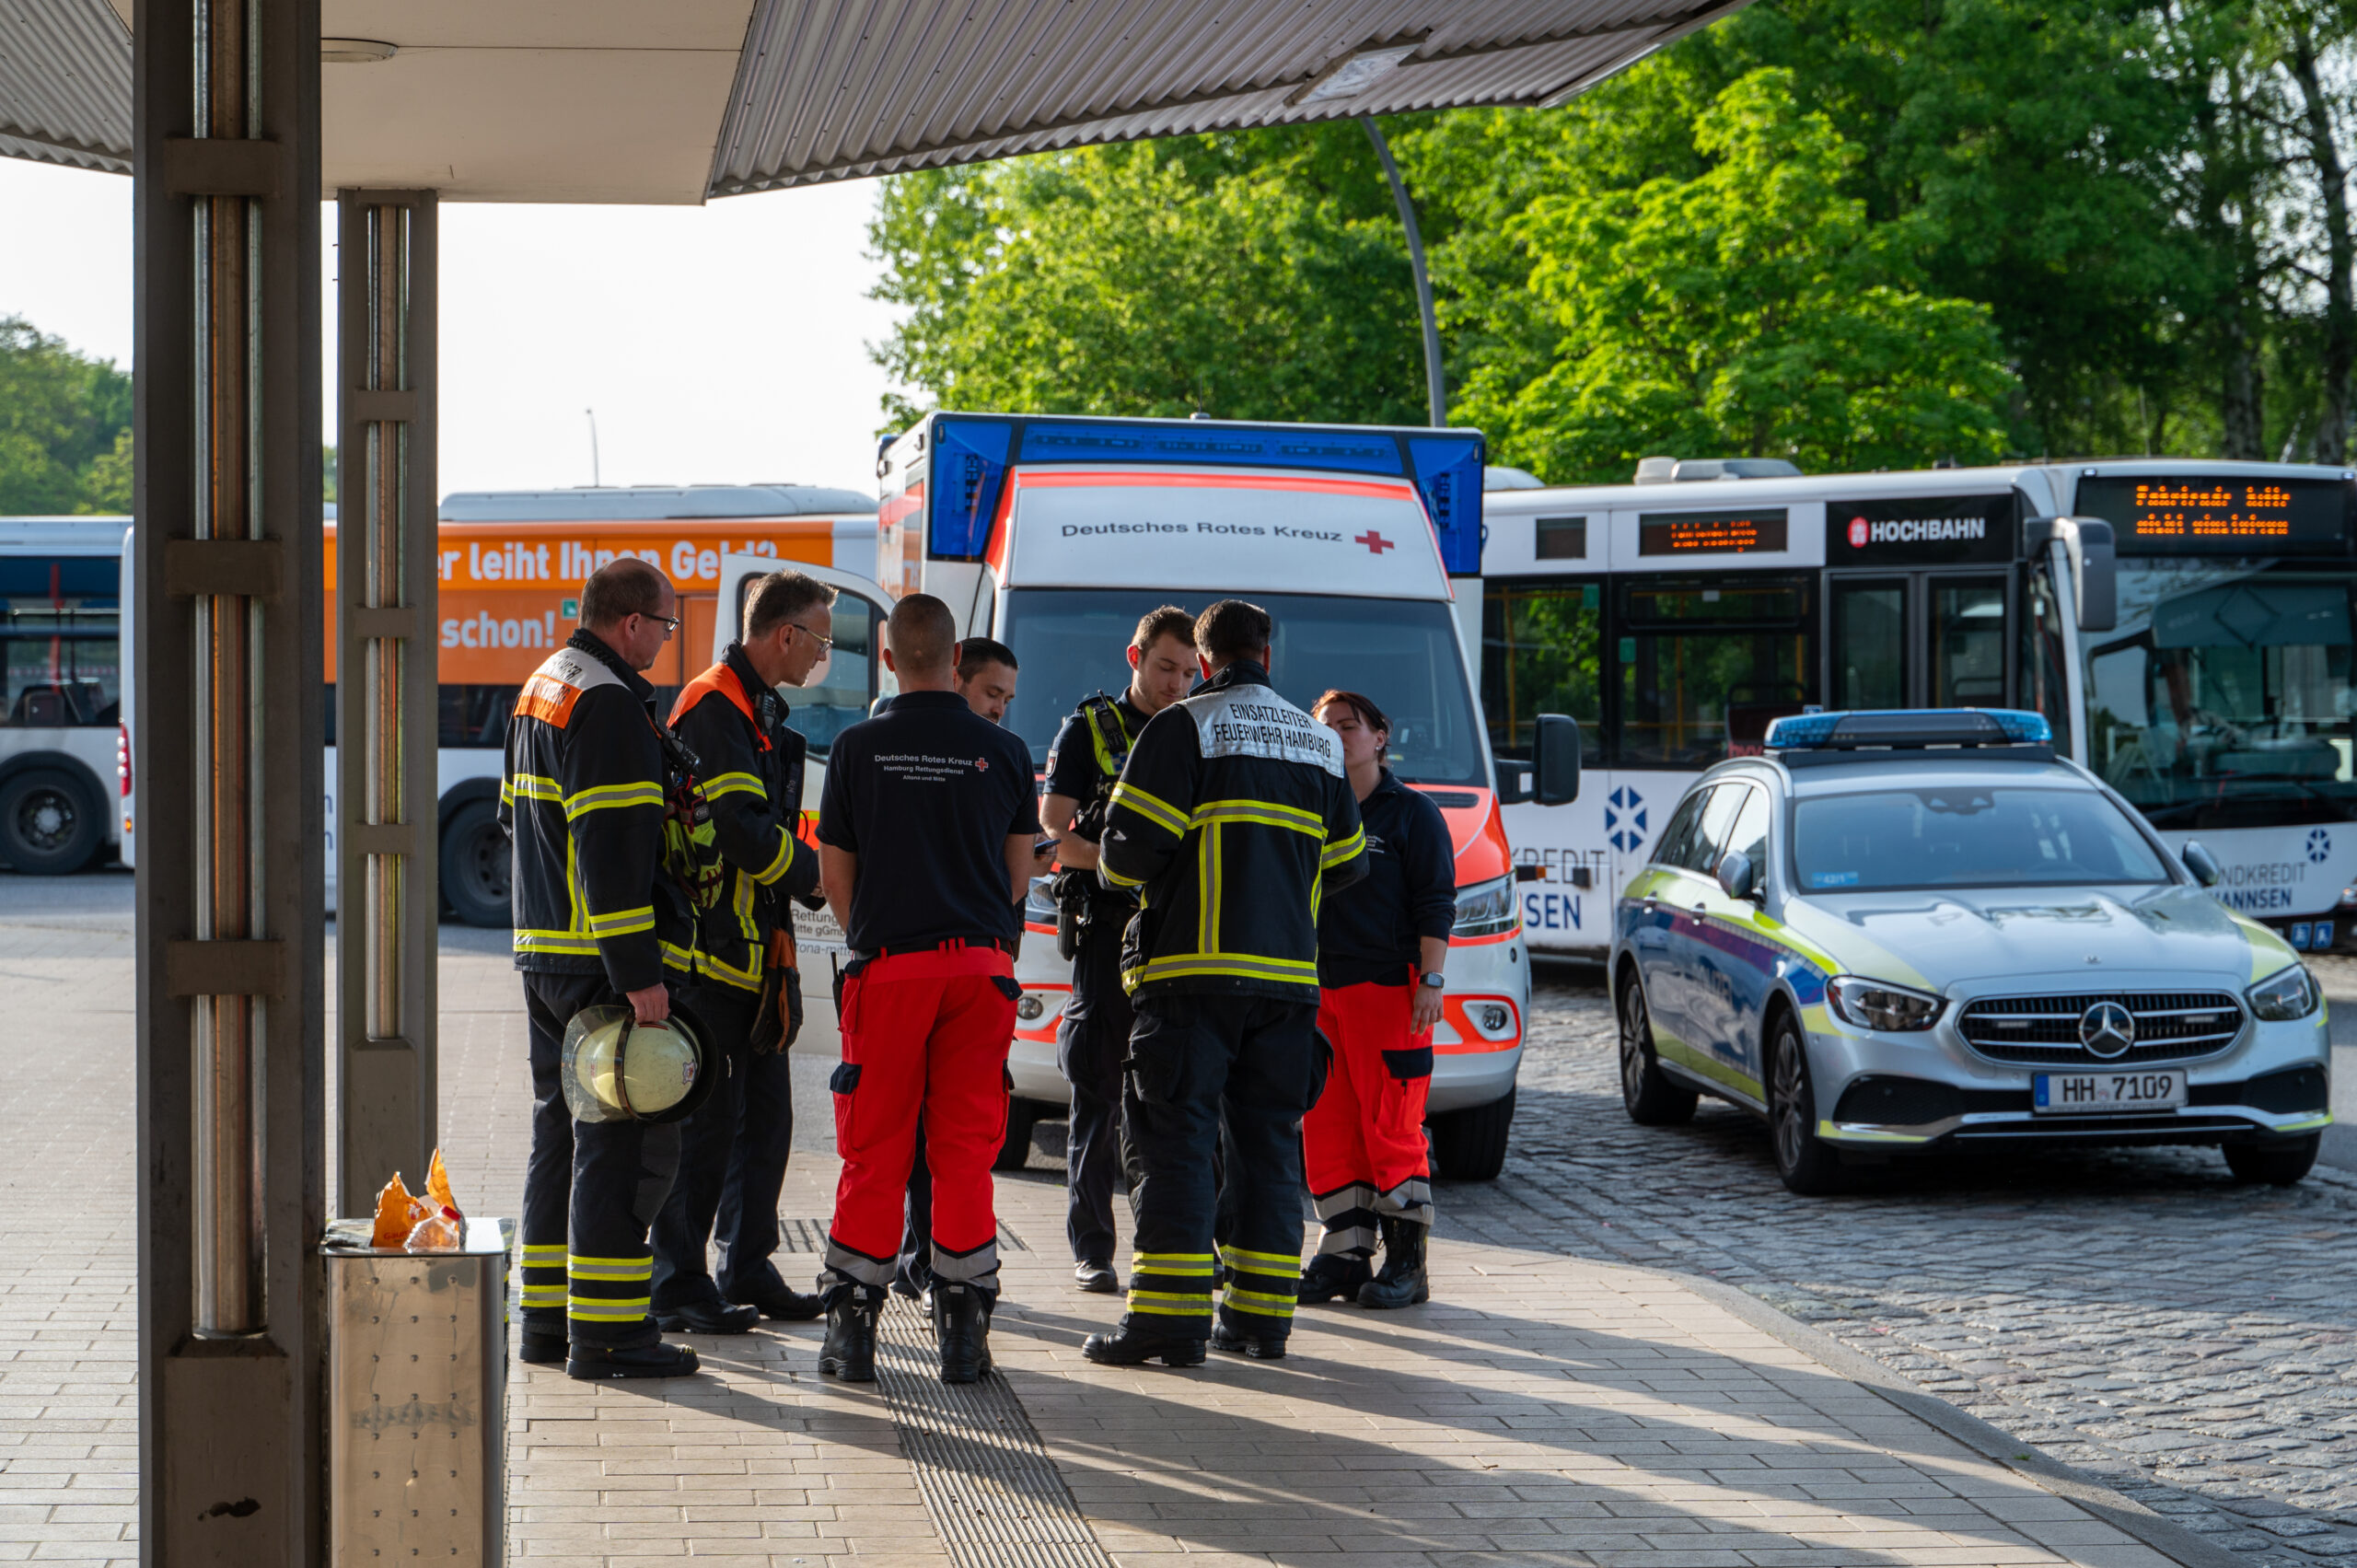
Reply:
x=603, y=798
x=776, y=868
x=576, y=944
x=1207, y=889
x=623, y=923
x=744, y=979
x=1341, y=849
x=531, y=786
x=734, y=783
x=1161, y=813
x=1238, y=966
x=679, y=957
x=1116, y=879
x=1267, y=812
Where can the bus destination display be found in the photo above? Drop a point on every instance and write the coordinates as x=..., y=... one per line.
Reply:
x=1710, y=533
x=2223, y=515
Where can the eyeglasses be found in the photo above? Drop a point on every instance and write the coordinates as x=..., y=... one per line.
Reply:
x=825, y=643
x=670, y=623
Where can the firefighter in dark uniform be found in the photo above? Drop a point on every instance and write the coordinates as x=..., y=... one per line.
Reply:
x=1092, y=1036
x=1382, y=948
x=925, y=831
x=746, y=992
x=1233, y=818
x=585, y=798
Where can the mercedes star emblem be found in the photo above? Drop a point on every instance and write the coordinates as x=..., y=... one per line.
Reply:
x=2107, y=1029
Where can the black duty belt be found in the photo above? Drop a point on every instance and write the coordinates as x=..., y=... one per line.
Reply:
x=869, y=954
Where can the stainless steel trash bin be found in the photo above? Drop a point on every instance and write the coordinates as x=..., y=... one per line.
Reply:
x=417, y=1400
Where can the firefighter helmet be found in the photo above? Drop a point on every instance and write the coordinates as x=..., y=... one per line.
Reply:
x=617, y=1069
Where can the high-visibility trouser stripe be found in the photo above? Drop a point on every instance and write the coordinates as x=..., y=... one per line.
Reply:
x=846, y=1265
x=1261, y=1263
x=622, y=923
x=776, y=868
x=1357, y=1240
x=607, y=797
x=601, y=1309
x=734, y=783
x=1342, y=1200
x=1411, y=1199
x=1341, y=849
x=578, y=942
x=979, y=1267
x=1173, y=1263
x=610, y=1268
x=543, y=1265
x=1171, y=1303
x=1160, y=812
x=1260, y=1303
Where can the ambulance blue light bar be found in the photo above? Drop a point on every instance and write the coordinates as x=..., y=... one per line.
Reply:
x=970, y=455
x=1907, y=729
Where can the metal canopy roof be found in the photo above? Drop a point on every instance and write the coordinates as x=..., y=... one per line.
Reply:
x=677, y=100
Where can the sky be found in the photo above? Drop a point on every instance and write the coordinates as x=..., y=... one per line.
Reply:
x=719, y=344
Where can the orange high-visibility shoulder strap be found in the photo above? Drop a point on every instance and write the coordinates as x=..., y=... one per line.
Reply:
x=723, y=680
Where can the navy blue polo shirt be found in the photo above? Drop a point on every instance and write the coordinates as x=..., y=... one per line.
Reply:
x=926, y=793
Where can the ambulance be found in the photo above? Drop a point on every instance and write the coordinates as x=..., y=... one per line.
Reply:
x=1055, y=534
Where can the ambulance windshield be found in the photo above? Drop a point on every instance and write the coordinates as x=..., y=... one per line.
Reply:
x=1402, y=652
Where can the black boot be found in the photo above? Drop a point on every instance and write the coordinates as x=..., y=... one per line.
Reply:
x=1332, y=1277
x=596, y=1363
x=781, y=1301
x=541, y=1345
x=1402, y=1282
x=961, y=1323
x=1128, y=1346
x=1244, y=1341
x=849, y=1351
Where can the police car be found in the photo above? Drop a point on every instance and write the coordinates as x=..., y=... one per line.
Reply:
x=1902, y=930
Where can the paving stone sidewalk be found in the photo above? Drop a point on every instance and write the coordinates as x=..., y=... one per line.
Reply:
x=2135, y=1313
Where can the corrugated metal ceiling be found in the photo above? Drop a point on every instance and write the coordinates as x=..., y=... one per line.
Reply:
x=65, y=84
x=834, y=90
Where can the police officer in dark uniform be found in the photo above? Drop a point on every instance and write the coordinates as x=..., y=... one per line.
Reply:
x=1234, y=816
x=926, y=832
x=584, y=798
x=745, y=993
x=1092, y=1036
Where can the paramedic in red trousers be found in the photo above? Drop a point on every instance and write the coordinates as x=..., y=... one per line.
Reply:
x=1382, y=948
x=584, y=799
x=1093, y=1035
x=745, y=992
x=925, y=829
x=1231, y=817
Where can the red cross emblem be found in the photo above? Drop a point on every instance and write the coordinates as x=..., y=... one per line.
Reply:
x=1375, y=541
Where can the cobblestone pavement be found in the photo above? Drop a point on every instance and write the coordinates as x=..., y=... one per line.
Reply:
x=2133, y=1312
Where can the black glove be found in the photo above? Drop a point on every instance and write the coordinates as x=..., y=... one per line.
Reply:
x=778, y=1018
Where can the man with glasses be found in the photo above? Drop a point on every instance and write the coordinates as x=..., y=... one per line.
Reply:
x=584, y=798
x=742, y=970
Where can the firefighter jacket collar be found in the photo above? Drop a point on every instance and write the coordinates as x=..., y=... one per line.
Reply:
x=589, y=643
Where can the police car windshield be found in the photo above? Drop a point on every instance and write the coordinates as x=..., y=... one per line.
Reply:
x=1970, y=835
x=1402, y=652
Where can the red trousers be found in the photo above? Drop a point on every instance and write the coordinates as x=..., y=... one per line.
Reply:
x=1363, y=1143
x=922, y=1031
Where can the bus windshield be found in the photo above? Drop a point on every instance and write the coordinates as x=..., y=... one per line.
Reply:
x=2222, y=700
x=1966, y=836
x=1069, y=642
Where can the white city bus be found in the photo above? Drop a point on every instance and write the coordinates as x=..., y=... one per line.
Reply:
x=2204, y=672
x=61, y=697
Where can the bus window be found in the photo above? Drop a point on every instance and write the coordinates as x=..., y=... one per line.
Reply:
x=1967, y=641
x=477, y=715
x=838, y=695
x=1705, y=666
x=2044, y=686
x=1869, y=644
x=1541, y=643
x=59, y=680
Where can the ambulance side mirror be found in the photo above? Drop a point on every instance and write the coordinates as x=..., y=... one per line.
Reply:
x=1551, y=776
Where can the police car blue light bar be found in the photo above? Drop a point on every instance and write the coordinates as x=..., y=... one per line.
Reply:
x=1908, y=727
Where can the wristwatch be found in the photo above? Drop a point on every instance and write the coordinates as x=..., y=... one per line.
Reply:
x=1433, y=979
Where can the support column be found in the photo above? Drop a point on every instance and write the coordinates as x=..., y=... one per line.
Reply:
x=387, y=887
x=228, y=723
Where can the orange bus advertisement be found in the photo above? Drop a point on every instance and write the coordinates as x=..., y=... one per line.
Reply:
x=511, y=592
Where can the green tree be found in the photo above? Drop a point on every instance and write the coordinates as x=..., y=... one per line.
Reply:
x=61, y=415
x=1257, y=276
x=1750, y=308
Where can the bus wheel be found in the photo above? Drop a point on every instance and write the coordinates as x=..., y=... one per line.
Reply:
x=1471, y=1144
x=475, y=865
x=48, y=827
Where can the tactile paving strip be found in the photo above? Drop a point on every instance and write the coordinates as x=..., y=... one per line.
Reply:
x=985, y=1476
x=796, y=1234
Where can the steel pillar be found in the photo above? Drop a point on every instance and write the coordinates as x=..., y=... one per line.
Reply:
x=387, y=887
x=228, y=723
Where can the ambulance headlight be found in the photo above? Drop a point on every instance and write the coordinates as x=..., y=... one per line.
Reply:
x=1486, y=907
x=1030, y=1007
x=2284, y=995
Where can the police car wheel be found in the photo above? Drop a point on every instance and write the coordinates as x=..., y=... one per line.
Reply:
x=1808, y=1166
x=1651, y=1099
x=2281, y=1164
